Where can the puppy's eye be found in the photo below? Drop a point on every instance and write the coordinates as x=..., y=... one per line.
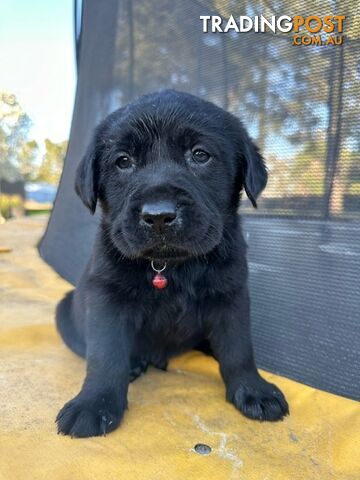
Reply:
x=200, y=156
x=124, y=162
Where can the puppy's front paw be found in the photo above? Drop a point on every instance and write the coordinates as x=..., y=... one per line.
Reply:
x=260, y=400
x=90, y=417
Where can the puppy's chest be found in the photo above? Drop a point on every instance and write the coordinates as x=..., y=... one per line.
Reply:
x=172, y=320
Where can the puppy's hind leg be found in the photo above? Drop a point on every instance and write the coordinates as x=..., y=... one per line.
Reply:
x=66, y=327
x=138, y=366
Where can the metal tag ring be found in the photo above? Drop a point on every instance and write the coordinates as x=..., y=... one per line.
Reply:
x=157, y=270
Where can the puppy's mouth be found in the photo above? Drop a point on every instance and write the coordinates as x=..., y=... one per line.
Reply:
x=165, y=253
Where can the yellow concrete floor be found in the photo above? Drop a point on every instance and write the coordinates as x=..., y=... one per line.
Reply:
x=169, y=412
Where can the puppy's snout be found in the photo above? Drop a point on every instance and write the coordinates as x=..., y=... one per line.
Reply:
x=158, y=215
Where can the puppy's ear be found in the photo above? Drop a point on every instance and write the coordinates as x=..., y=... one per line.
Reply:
x=87, y=176
x=254, y=170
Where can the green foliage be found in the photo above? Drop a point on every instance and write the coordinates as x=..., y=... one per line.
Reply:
x=26, y=160
x=18, y=154
x=307, y=170
x=51, y=166
x=355, y=189
x=14, y=128
x=9, y=202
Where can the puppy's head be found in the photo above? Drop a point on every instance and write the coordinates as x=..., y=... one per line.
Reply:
x=167, y=170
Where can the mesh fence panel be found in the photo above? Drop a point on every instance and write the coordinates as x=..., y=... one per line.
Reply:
x=301, y=105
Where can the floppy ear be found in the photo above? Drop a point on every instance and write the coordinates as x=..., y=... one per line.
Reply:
x=255, y=172
x=86, y=180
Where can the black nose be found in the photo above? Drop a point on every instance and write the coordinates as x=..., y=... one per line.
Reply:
x=158, y=215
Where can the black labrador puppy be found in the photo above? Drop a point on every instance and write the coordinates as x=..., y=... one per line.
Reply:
x=168, y=271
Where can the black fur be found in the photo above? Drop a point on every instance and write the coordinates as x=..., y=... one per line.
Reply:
x=115, y=317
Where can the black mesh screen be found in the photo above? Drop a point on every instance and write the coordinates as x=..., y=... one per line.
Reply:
x=301, y=104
